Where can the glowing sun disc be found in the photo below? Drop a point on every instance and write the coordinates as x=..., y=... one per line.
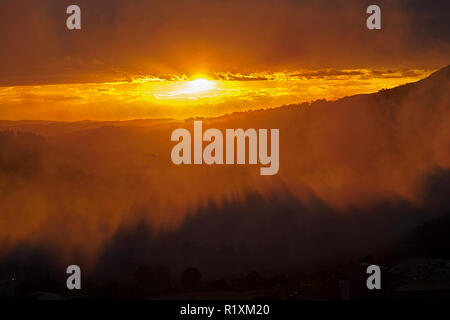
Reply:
x=198, y=85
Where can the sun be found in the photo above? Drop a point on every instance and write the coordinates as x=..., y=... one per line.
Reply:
x=198, y=85
x=197, y=88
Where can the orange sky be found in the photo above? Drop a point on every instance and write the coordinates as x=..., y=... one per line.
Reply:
x=201, y=95
x=123, y=38
x=132, y=59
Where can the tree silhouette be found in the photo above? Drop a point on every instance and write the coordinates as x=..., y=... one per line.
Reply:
x=191, y=279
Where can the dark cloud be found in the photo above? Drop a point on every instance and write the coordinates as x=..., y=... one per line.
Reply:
x=119, y=38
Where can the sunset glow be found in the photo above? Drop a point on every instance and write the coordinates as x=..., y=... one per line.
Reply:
x=182, y=96
x=198, y=85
